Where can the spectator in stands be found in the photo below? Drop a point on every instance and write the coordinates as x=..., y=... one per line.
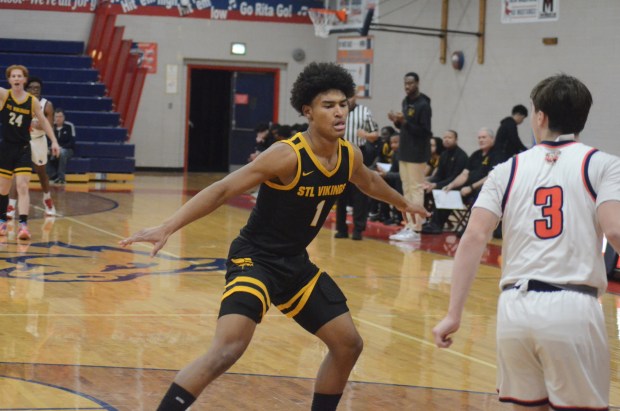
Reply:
x=65, y=133
x=451, y=163
x=39, y=148
x=283, y=132
x=470, y=181
x=414, y=122
x=507, y=141
x=436, y=150
x=359, y=129
x=392, y=177
x=384, y=155
x=264, y=139
x=17, y=108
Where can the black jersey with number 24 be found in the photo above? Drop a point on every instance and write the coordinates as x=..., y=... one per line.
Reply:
x=16, y=117
x=286, y=218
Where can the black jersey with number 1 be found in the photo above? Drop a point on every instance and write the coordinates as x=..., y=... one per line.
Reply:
x=286, y=218
x=16, y=117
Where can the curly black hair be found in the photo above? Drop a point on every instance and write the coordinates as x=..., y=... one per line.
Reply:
x=317, y=78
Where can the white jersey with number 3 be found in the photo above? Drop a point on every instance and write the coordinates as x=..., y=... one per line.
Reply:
x=547, y=198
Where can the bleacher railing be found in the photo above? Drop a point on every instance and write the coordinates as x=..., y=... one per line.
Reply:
x=120, y=69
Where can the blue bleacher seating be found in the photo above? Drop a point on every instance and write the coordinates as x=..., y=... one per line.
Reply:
x=75, y=103
x=41, y=46
x=70, y=82
x=45, y=60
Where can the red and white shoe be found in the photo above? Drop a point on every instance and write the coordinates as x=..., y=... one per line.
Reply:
x=23, y=233
x=10, y=212
x=50, y=210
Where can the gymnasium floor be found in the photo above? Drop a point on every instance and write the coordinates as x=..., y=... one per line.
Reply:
x=88, y=325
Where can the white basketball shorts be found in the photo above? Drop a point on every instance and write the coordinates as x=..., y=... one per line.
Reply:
x=552, y=348
x=39, y=150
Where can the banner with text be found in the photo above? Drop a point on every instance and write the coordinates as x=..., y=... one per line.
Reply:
x=530, y=11
x=282, y=11
x=356, y=55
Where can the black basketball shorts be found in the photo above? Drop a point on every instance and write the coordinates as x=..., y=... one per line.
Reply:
x=15, y=159
x=255, y=279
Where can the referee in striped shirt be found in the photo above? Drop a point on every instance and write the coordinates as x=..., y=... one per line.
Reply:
x=360, y=129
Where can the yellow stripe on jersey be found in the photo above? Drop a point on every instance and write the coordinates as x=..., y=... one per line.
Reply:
x=249, y=290
x=293, y=183
x=304, y=293
x=351, y=156
x=316, y=161
x=258, y=283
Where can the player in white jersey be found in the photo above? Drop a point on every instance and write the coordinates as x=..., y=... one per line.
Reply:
x=556, y=201
x=39, y=149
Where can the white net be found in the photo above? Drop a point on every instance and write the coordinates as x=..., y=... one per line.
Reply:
x=323, y=21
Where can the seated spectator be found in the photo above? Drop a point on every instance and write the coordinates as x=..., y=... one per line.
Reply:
x=264, y=140
x=436, y=150
x=469, y=181
x=384, y=154
x=283, y=132
x=452, y=162
x=299, y=128
x=389, y=215
x=65, y=134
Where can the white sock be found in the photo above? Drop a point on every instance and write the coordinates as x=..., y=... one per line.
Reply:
x=47, y=196
x=13, y=202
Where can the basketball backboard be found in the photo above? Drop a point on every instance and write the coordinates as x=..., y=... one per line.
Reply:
x=356, y=14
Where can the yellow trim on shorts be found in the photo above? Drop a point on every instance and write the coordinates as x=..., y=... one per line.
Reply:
x=250, y=290
x=254, y=281
x=23, y=170
x=4, y=173
x=306, y=291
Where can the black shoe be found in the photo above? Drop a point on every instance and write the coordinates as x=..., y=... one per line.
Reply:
x=430, y=228
x=357, y=236
x=341, y=235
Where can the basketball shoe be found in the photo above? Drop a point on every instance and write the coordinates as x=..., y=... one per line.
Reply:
x=10, y=212
x=50, y=210
x=23, y=233
x=406, y=234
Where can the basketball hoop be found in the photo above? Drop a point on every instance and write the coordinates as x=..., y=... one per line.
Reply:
x=324, y=20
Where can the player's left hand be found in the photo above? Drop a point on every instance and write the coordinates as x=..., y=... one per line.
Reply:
x=158, y=236
x=442, y=331
x=55, y=149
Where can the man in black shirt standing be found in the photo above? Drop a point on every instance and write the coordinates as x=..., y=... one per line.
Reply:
x=414, y=122
x=507, y=141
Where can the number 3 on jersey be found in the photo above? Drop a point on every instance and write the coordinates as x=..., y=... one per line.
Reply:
x=552, y=200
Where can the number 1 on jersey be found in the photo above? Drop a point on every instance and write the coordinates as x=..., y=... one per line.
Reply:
x=552, y=200
x=319, y=209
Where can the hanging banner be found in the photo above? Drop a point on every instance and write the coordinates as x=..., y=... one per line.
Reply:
x=356, y=54
x=529, y=11
x=149, y=56
x=279, y=11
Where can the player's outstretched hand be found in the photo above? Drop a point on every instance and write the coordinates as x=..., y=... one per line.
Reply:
x=442, y=331
x=154, y=235
x=412, y=209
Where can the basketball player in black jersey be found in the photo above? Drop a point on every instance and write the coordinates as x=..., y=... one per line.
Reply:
x=17, y=109
x=300, y=179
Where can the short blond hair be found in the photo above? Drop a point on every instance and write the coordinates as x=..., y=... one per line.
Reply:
x=16, y=67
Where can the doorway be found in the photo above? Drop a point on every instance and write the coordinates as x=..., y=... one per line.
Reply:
x=225, y=105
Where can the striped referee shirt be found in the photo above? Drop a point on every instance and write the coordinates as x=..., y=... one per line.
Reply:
x=359, y=117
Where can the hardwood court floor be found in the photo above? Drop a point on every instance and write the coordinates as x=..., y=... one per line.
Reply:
x=87, y=325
